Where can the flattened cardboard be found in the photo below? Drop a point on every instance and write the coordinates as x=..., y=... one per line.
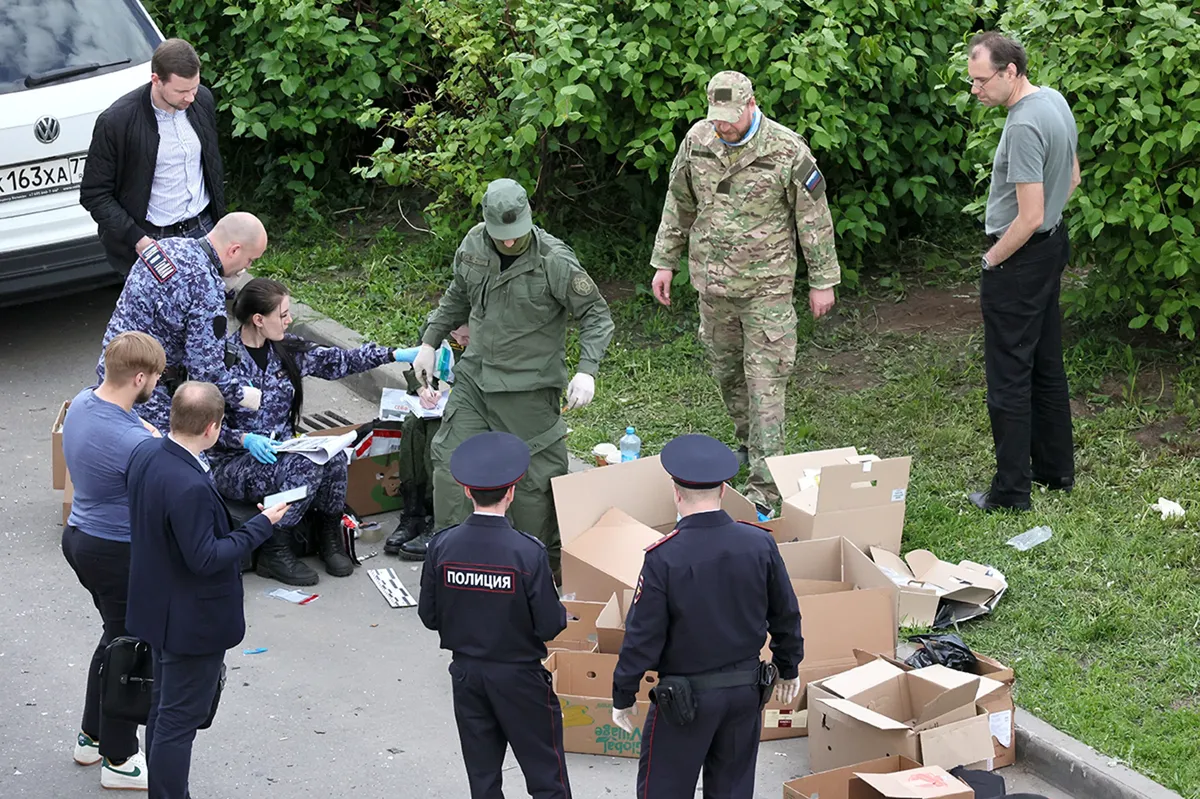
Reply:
x=916, y=603
x=606, y=558
x=836, y=784
x=583, y=682
x=58, y=464
x=923, y=782
x=858, y=497
x=967, y=582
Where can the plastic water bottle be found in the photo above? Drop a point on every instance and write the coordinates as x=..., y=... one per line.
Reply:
x=631, y=446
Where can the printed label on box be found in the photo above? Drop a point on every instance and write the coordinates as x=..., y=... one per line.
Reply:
x=1001, y=724
x=898, y=494
x=779, y=719
x=615, y=741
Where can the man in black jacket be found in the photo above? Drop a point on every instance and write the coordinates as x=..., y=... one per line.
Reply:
x=153, y=169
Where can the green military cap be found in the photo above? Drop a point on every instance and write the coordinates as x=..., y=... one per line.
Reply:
x=506, y=213
x=728, y=94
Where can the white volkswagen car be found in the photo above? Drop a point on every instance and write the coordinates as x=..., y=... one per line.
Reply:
x=62, y=62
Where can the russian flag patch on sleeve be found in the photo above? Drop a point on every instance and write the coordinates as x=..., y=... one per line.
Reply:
x=813, y=180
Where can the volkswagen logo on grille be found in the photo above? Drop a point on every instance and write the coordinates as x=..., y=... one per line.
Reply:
x=46, y=130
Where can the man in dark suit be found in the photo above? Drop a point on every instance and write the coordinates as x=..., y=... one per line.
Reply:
x=153, y=169
x=185, y=584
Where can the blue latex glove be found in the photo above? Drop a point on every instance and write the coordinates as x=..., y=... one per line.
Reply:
x=261, y=447
x=406, y=355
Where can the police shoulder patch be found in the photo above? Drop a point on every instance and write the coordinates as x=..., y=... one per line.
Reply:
x=662, y=540
x=159, y=264
x=477, y=577
x=582, y=285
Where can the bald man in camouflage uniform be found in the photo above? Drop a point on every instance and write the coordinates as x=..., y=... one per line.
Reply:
x=743, y=191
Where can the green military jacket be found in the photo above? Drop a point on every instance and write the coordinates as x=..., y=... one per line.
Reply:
x=518, y=317
x=741, y=211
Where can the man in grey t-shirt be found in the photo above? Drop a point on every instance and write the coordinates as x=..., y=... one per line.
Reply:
x=1034, y=174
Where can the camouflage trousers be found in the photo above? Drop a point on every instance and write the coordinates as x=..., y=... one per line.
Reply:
x=751, y=343
x=242, y=478
x=533, y=416
x=416, y=453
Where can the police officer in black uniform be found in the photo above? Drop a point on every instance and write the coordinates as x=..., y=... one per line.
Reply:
x=708, y=594
x=489, y=592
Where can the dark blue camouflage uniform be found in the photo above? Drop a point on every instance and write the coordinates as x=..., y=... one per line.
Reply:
x=174, y=292
x=238, y=475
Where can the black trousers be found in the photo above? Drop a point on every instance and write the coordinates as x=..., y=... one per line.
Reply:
x=498, y=705
x=102, y=567
x=722, y=742
x=181, y=700
x=1027, y=396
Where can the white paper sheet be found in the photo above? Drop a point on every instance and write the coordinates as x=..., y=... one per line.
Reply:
x=318, y=449
x=396, y=403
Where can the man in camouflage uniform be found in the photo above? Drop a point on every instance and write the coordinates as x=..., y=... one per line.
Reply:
x=176, y=292
x=516, y=285
x=743, y=190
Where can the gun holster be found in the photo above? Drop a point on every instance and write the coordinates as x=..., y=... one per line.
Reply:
x=767, y=674
x=675, y=700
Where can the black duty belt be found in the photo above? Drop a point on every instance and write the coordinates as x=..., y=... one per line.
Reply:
x=181, y=228
x=723, y=679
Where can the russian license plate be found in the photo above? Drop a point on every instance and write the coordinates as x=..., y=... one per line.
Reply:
x=41, y=177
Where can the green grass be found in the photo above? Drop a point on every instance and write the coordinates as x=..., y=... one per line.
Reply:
x=1101, y=623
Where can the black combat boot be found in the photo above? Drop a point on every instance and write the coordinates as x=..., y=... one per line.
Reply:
x=277, y=561
x=333, y=547
x=415, y=549
x=410, y=520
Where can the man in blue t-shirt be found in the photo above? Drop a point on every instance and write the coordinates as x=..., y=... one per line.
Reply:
x=99, y=435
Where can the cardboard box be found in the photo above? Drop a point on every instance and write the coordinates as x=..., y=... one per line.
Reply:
x=858, y=497
x=929, y=586
x=923, y=782
x=583, y=682
x=580, y=635
x=610, y=624
x=845, y=602
x=998, y=703
x=606, y=558
x=373, y=482
x=68, y=496
x=836, y=784
x=929, y=715
x=58, y=464
x=641, y=488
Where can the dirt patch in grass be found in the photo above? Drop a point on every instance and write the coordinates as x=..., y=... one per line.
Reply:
x=924, y=310
x=849, y=371
x=1172, y=433
x=616, y=290
x=1154, y=385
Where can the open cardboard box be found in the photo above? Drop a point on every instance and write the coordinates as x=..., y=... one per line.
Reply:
x=929, y=585
x=610, y=624
x=68, y=496
x=580, y=635
x=835, y=784
x=58, y=464
x=845, y=601
x=922, y=782
x=373, y=482
x=930, y=715
x=583, y=682
x=606, y=558
x=858, y=497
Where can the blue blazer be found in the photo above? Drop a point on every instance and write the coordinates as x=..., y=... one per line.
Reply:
x=185, y=581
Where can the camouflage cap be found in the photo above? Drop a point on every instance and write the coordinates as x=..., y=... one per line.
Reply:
x=728, y=94
x=506, y=211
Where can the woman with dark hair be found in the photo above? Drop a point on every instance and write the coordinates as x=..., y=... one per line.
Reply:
x=245, y=464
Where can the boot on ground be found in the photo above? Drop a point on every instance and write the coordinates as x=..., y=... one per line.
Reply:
x=276, y=560
x=333, y=547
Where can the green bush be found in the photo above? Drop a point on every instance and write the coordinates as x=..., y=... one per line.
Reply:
x=1130, y=71
x=294, y=77
x=577, y=98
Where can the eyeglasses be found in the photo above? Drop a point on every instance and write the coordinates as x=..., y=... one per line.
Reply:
x=978, y=83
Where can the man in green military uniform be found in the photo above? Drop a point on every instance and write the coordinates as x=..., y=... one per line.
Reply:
x=515, y=285
x=743, y=191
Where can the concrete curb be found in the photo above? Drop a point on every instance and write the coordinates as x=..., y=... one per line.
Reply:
x=1041, y=749
x=1077, y=768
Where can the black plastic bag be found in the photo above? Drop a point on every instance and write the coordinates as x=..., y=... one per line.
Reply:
x=946, y=650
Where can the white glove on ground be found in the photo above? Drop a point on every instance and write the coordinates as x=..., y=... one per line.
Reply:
x=425, y=363
x=624, y=718
x=580, y=391
x=786, y=691
x=251, y=398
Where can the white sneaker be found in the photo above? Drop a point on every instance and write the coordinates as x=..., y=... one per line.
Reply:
x=87, y=751
x=129, y=776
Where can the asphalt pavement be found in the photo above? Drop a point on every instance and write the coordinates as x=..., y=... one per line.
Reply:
x=350, y=698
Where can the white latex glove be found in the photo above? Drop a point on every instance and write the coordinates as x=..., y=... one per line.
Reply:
x=624, y=718
x=251, y=398
x=786, y=691
x=425, y=363
x=580, y=391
